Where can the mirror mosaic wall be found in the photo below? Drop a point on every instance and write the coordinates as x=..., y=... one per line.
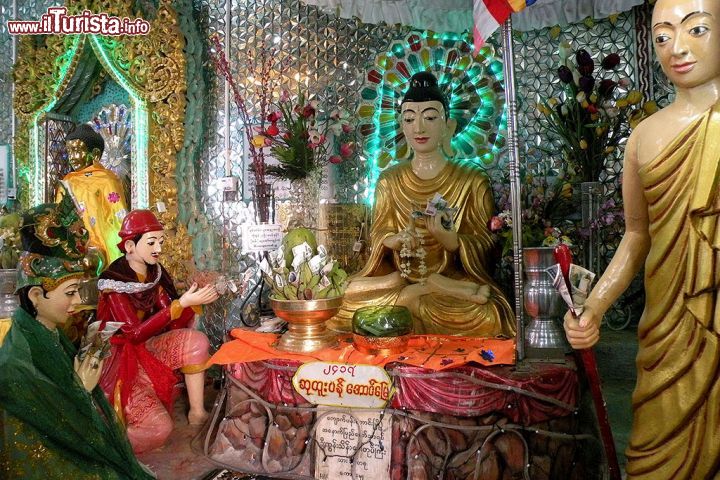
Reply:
x=329, y=56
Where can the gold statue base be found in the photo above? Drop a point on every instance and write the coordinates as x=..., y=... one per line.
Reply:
x=306, y=323
x=339, y=326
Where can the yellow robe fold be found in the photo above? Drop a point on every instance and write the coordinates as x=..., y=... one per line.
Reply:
x=399, y=192
x=99, y=197
x=676, y=403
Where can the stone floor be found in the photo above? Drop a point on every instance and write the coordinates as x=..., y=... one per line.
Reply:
x=616, y=354
x=182, y=459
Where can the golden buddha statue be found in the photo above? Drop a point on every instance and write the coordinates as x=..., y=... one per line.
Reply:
x=447, y=287
x=97, y=192
x=671, y=193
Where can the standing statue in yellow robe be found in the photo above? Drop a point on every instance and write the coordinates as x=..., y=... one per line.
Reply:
x=453, y=292
x=97, y=192
x=671, y=192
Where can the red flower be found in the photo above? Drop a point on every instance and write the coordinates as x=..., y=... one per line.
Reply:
x=496, y=224
x=274, y=117
x=346, y=128
x=346, y=149
x=272, y=130
x=335, y=159
x=308, y=111
x=592, y=108
x=316, y=141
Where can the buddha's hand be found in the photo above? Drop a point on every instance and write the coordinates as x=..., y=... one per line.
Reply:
x=447, y=238
x=397, y=241
x=583, y=332
x=195, y=296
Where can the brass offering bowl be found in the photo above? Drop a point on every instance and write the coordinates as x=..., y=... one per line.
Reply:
x=380, y=345
x=306, y=323
x=382, y=329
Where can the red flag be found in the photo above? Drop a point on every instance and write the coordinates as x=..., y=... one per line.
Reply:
x=488, y=15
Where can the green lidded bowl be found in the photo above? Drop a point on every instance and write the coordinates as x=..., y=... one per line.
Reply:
x=382, y=321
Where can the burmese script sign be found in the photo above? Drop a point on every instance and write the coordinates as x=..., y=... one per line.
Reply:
x=343, y=385
x=261, y=238
x=364, y=437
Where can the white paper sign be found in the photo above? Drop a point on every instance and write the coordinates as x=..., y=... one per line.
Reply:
x=364, y=437
x=343, y=385
x=261, y=238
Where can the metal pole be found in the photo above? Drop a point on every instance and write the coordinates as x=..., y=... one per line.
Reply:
x=12, y=180
x=514, y=152
x=226, y=120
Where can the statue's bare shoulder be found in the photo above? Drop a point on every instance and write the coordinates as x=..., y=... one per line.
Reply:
x=656, y=132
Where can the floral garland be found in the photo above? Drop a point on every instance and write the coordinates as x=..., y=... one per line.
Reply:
x=407, y=253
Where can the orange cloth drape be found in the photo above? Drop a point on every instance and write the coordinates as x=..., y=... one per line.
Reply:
x=435, y=352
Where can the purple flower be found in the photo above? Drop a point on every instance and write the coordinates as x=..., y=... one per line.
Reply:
x=606, y=87
x=487, y=355
x=587, y=84
x=446, y=361
x=611, y=61
x=565, y=74
x=113, y=197
x=585, y=63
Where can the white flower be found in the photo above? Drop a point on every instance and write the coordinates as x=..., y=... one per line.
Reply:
x=612, y=112
x=564, y=51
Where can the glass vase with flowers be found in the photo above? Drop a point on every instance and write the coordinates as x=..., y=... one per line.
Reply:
x=298, y=138
x=594, y=112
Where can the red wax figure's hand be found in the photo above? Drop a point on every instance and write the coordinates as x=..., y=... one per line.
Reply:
x=196, y=297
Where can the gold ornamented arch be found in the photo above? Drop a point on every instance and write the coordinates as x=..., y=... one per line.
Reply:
x=152, y=69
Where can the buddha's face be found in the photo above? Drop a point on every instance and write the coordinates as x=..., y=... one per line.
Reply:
x=78, y=154
x=424, y=125
x=686, y=35
x=147, y=249
x=54, y=307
